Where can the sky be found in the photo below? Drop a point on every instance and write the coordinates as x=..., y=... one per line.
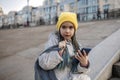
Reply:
x=16, y=5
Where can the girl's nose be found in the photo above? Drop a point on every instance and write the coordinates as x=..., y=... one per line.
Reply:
x=67, y=30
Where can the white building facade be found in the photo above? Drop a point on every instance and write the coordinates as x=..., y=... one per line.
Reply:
x=86, y=10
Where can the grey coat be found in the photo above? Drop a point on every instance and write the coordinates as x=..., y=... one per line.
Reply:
x=51, y=60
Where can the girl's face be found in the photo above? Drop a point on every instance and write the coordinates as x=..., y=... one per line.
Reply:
x=67, y=30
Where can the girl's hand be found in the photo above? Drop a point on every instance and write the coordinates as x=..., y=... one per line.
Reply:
x=62, y=45
x=83, y=58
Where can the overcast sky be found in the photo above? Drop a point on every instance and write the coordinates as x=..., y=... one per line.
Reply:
x=16, y=5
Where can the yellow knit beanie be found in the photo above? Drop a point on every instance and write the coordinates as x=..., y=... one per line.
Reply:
x=67, y=16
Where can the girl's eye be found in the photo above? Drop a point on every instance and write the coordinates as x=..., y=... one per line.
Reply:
x=63, y=27
x=71, y=27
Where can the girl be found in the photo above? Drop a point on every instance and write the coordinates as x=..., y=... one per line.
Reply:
x=62, y=61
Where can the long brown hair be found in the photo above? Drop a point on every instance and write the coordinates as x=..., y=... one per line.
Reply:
x=67, y=60
x=74, y=40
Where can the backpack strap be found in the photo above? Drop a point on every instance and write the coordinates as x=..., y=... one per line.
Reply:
x=52, y=48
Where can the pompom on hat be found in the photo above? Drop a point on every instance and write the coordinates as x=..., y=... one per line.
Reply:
x=67, y=16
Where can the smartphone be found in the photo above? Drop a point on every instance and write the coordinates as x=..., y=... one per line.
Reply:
x=87, y=50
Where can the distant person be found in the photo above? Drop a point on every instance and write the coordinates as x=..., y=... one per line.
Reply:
x=106, y=13
x=93, y=16
x=27, y=23
x=62, y=61
x=98, y=14
x=78, y=17
x=56, y=19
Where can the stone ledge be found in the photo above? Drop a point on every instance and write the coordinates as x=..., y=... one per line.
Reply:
x=115, y=79
x=103, y=56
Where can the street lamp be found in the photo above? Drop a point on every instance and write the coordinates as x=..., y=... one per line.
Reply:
x=50, y=14
x=76, y=9
x=57, y=10
x=28, y=13
x=58, y=1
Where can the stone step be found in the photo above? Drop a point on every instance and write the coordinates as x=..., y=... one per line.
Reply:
x=114, y=79
x=116, y=70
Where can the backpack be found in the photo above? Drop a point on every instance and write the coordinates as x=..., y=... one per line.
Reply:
x=41, y=74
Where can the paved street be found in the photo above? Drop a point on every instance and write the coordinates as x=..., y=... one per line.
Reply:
x=20, y=47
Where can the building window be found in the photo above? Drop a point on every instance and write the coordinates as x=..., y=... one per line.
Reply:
x=61, y=8
x=82, y=10
x=90, y=2
x=94, y=9
x=106, y=1
x=51, y=1
x=71, y=5
x=83, y=2
x=106, y=6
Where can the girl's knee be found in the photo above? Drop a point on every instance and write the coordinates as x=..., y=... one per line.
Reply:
x=82, y=77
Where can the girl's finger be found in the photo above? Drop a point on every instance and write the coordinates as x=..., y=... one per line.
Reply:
x=84, y=53
x=80, y=54
x=78, y=57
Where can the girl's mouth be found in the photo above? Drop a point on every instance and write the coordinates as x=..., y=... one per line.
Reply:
x=67, y=35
